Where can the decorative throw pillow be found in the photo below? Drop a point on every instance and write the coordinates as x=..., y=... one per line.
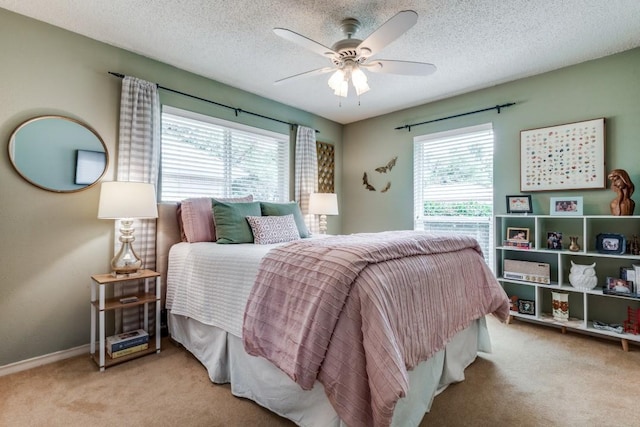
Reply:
x=273, y=229
x=195, y=218
x=279, y=209
x=231, y=221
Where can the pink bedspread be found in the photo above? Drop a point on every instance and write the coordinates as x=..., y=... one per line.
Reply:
x=356, y=312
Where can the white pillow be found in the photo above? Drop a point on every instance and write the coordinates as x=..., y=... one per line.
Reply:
x=273, y=229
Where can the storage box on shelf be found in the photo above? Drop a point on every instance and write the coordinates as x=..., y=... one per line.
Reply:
x=100, y=304
x=586, y=306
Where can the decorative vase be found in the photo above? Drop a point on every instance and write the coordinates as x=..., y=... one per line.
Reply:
x=560, y=301
x=573, y=245
x=583, y=276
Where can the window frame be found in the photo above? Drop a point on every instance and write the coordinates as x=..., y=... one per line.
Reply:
x=420, y=144
x=282, y=139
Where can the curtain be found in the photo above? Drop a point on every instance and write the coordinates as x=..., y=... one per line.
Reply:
x=138, y=160
x=306, y=173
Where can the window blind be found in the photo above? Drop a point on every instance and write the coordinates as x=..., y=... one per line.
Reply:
x=203, y=156
x=453, y=184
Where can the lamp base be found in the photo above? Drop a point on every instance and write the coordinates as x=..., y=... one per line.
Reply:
x=323, y=224
x=126, y=263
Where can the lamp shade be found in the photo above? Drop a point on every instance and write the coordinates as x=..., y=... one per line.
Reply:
x=120, y=199
x=323, y=204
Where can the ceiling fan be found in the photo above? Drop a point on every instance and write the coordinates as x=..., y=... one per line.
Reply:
x=350, y=56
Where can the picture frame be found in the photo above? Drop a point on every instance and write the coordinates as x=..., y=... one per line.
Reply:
x=611, y=243
x=619, y=286
x=567, y=205
x=554, y=240
x=519, y=204
x=563, y=157
x=526, y=306
x=517, y=234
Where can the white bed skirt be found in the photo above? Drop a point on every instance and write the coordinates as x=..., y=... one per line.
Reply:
x=257, y=379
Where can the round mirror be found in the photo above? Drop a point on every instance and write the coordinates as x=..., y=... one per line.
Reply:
x=58, y=154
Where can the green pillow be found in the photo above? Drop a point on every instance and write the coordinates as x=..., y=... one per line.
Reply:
x=280, y=209
x=231, y=221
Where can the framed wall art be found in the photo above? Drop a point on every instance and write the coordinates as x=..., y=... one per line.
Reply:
x=326, y=167
x=565, y=205
x=519, y=204
x=563, y=157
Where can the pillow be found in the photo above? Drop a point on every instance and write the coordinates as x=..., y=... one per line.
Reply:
x=195, y=218
x=273, y=229
x=231, y=221
x=278, y=209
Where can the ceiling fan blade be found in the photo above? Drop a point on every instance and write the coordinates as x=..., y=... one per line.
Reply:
x=389, y=31
x=305, y=74
x=400, y=67
x=305, y=42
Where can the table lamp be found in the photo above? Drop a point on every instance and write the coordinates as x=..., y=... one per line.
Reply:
x=127, y=201
x=323, y=204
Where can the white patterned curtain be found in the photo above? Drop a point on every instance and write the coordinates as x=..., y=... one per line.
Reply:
x=306, y=174
x=138, y=160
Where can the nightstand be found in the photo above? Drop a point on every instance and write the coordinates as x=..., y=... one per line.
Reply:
x=100, y=305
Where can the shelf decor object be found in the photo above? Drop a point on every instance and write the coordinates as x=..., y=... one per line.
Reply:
x=323, y=204
x=563, y=157
x=519, y=204
x=568, y=205
x=583, y=276
x=127, y=201
x=560, y=302
x=622, y=185
x=611, y=243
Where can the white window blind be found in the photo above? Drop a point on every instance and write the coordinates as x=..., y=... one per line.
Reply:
x=204, y=156
x=453, y=184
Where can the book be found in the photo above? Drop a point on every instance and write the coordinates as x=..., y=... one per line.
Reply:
x=517, y=243
x=127, y=339
x=129, y=350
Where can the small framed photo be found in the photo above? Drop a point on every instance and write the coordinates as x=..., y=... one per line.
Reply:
x=619, y=285
x=516, y=234
x=566, y=206
x=554, y=240
x=519, y=204
x=526, y=306
x=609, y=243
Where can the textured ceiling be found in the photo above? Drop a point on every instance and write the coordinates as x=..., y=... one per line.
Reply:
x=474, y=43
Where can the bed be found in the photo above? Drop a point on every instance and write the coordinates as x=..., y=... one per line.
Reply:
x=210, y=285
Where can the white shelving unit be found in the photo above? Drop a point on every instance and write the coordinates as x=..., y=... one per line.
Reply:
x=585, y=306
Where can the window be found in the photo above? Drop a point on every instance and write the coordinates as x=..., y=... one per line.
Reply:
x=453, y=184
x=203, y=157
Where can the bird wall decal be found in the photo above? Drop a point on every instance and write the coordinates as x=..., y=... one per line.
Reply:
x=388, y=167
x=365, y=181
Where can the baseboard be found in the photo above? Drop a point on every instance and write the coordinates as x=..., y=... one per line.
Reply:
x=34, y=362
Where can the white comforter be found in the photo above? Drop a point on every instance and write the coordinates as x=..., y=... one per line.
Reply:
x=215, y=282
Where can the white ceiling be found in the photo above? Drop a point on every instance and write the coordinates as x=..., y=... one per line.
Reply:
x=474, y=43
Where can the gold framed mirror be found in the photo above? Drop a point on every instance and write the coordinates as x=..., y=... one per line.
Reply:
x=58, y=153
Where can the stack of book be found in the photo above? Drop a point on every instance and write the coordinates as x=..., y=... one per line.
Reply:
x=127, y=343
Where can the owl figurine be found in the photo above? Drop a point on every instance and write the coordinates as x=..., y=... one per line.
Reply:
x=583, y=276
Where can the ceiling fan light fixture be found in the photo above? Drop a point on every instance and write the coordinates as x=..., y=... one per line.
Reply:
x=336, y=79
x=342, y=90
x=359, y=80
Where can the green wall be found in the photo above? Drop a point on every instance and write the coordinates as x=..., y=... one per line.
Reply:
x=607, y=87
x=52, y=243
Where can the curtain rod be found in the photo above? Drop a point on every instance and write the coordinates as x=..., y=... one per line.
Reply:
x=235, y=110
x=497, y=107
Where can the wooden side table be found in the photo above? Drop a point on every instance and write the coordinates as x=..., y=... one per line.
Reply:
x=100, y=305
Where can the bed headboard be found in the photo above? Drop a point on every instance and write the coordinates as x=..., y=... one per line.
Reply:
x=167, y=234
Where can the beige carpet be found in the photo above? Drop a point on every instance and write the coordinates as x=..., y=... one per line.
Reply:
x=535, y=377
